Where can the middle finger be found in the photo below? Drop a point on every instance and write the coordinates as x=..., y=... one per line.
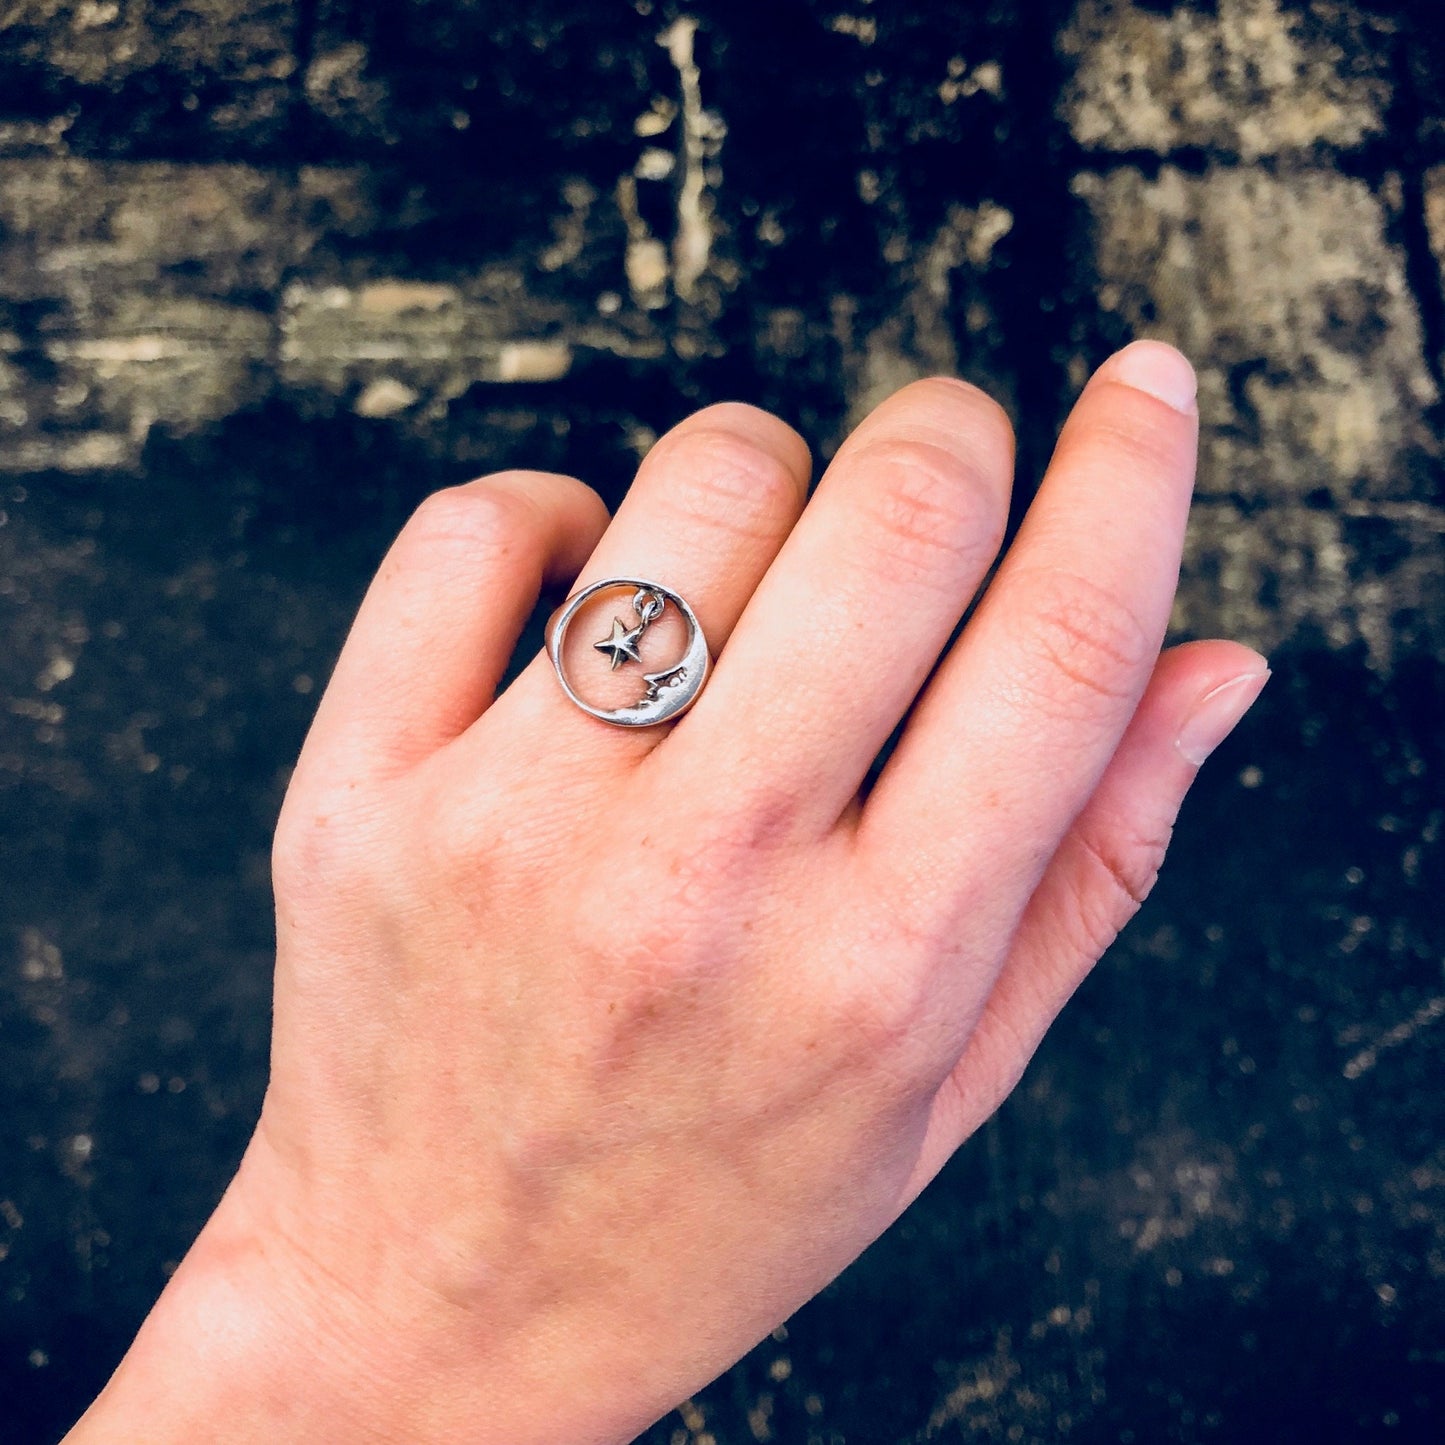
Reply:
x=851, y=617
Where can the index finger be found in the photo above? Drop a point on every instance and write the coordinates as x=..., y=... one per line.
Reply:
x=1018, y=724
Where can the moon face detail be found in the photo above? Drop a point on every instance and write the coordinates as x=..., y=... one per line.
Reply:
x=666, y=693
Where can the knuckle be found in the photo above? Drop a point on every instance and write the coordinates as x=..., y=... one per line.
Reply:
x=757, y=820
x=454, y=832
x=295, y=863
x=759, y=428
x=881, y=999
x=949, y=400
x=726, y=478
x=1116, y=439
x=928, y=502
x=998, y=1053
x=459, y=834
x=880, y=1015
x=457, y=841
x=1116, y=875
x=1087, y=634
x=317, y=849
x=472, y=515
x=1127, y=865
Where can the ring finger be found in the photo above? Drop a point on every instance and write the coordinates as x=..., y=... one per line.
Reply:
x=711, y=505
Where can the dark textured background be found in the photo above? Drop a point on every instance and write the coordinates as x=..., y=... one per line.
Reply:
x=270, y=272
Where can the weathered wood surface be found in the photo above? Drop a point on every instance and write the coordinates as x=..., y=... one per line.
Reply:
x=208, y=208
x=269, y=272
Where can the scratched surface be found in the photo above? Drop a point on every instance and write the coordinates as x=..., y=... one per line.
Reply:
x=271, y=272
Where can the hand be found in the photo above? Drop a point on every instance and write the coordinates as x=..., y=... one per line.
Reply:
x=597, y=1052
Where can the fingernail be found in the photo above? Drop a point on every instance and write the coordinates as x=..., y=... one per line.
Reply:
x=1159, y=370
x=1216, y=715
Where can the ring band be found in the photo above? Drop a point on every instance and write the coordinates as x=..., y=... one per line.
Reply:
x=669, y=692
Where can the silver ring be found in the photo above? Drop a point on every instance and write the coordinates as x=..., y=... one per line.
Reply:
x=668, y=693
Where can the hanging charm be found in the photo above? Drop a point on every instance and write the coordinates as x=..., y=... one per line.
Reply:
x=622, y=645
x=669, y=692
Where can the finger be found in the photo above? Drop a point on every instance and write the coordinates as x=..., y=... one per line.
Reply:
x=1097, y=880
x=440, y=620
x=1021, y=719
x=853, y=614
x=712, y=503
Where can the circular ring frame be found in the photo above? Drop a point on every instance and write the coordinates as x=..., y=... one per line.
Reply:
x=676, y=688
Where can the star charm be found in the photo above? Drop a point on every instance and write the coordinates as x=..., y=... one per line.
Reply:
x=622, y=644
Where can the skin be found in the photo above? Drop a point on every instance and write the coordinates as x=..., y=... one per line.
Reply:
x=597, y=1052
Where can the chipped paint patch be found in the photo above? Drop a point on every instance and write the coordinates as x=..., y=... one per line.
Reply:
x=534, y=361
x=394, y=298
x=386, y=396
x=1243, y=77
x=702, y=133
x=1293, y=295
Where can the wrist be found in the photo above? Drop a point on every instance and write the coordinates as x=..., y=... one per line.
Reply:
x=255, y=1340
x=228, y=1354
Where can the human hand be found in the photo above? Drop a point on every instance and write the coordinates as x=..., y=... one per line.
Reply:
x=597, y=1052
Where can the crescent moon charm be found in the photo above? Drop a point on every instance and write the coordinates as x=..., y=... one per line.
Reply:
x=669, y=692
